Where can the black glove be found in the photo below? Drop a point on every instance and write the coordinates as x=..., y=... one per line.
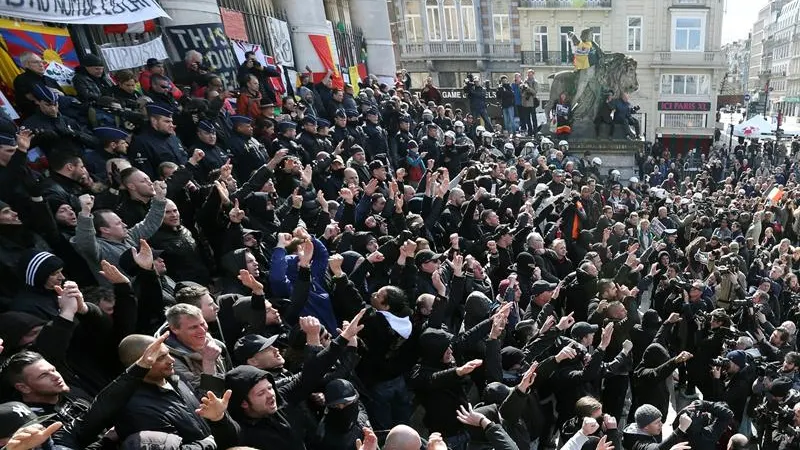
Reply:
x=32, y=183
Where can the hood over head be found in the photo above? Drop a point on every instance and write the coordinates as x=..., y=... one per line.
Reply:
x=433, y=343
x=476, y=309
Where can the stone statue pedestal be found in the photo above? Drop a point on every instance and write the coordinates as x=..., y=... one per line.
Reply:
x=617, y=154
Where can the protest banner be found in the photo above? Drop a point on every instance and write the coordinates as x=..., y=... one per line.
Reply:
x=84, y=12
x=281, y=41
x=7, y=107
x=657, y=227
x=50, y=43
x=211, y=41
x=118, y=58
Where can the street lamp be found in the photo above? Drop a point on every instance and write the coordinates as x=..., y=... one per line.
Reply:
x=730, y=135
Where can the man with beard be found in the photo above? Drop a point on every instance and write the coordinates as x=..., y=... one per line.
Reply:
x=42, y=388
x=451, y=217
x=113, y=144
x=53, y=129
x=157, y=142
x=247, y=153
x=67, y=179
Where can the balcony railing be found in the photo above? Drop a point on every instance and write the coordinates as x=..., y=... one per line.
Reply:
x=499, y=49
x=689, y=58
x=688, y=3
x=533, y=58
x=439, y=49
x=456, y=50
x=570, y=4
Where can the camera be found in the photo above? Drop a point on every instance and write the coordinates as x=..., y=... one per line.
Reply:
x=721, y=362
x=781, y=414
x=680, y=283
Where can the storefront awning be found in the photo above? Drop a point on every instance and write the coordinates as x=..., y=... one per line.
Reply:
x=85, y=12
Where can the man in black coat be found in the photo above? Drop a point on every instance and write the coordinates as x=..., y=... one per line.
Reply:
x=90, y=80
x=246, y=152
x=261, y=409
x=376, y=142
x=157, y=142
x=32, y=76
x=66, y=181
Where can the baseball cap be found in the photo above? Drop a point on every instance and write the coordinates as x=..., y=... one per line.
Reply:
x=247, y=346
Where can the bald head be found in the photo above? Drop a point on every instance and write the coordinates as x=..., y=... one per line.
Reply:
x=132, y=347
x=402, y=437
x=737, y=442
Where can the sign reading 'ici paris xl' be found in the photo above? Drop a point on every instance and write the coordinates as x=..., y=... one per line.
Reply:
x=684, y=106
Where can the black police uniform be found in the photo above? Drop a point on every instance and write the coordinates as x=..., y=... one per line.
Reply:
x=150, y=148
x=376, y=140
x=248, y=155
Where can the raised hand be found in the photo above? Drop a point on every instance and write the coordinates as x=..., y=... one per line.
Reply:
x=528, y=378
x=548, y=324
x=375, y=257
x=297, y=199
x=275, y=160
x=589, y=427
x=370, y=441
x=212, y=407
x=236, y=215
x=352, y=328
x=627, y=346
x=346, y=195
x=87, y=203
x=683, y=357
x=605, y=337
x=408, y=248
x=250, y=282
x=609, y=422
x=469, y=416
x=371, y=187
x=197, y=156
x=335, y=264
x=468, y=367
x=161, y=189
x=436, y=442
x=458, y=266
x=310, y=325
x=144, y=256
x=674, y=318
x=24, y=137
x=305, y=176
x=111, y=273
x=306, y=253
x=155, y=350
x=566, y=322
x=604, y=444
x=438, y=284
x=566, y=353
x=284, y=239
x=31, y=437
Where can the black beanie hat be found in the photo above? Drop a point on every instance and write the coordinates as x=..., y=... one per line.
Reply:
x=36, y=267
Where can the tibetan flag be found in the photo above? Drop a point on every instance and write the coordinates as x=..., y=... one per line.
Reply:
x=148, y=26
x=774, y=194
x=51, y=43
x=322, y=45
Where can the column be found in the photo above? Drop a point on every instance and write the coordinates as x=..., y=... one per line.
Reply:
x=306, y=17
x=372, y=16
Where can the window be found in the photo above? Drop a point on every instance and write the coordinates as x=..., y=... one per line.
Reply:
x=685, y=84
x=597, y=35
x=450, y=20
x=688, y=33
x=434, y=24
x=501, y=20
x=502, y=27
x=566, y=45
x=684, y=120
x=540, y=44
x=635, y=34
x=468, y=20
x=413, y=22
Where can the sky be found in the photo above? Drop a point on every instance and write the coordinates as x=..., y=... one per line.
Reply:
x=739, y=18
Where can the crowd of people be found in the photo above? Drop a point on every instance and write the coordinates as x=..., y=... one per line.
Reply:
x=185, y=271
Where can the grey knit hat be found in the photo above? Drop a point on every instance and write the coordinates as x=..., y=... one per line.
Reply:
x=646, y=414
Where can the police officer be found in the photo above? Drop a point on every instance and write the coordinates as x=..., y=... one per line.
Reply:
x=354, y=125
x=215, y=156
x=399, y=145
x=323, y=136
x=287, y=131
x=342, y=132
x=308, y=139
x=157, y=143
x=376, y=136
x=113, y=144
x=53, y=129
x=248, y=154
x=430, y=143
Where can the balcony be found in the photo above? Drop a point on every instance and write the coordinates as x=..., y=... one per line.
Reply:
x=689, y=4
x=566, y=4
x=688, y=59
x=533, y=58
x=499, y=50
x=440, y=50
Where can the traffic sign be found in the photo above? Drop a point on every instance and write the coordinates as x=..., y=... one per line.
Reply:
x=747, y=97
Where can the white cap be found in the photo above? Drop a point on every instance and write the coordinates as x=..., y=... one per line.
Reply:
x=487, y=134
x=509, y=146
x=458, y=124
x=562, y=142
x=633, y=180
x=450, y=134
x=597, y=161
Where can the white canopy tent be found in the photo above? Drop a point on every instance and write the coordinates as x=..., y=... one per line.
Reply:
x=756, y=127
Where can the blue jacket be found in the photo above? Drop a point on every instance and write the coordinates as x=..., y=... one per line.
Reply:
x=283, y=275
x=517, y=94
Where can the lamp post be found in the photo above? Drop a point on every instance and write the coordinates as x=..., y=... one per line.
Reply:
x=766, y=75
x=730, y=136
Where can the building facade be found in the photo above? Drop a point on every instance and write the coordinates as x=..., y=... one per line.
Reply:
x=737, y=57
x=675, y=42
x=448, y=39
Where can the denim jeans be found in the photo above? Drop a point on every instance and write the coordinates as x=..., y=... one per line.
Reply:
x=508, y=119
x=389, y=404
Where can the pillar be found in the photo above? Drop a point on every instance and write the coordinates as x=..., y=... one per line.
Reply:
x=306, y=17
x=372, y=16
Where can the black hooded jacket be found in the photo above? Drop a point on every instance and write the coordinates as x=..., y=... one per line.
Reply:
x=649, y=378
